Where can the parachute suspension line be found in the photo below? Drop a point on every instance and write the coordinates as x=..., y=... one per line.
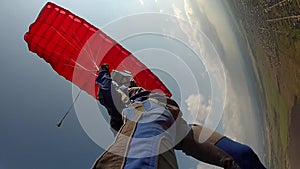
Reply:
x=82, y=67
x=87, y=49
x=73, y=44
x=91, y=56
x=70, y=43
x=76, y=66
x=65, y=115
x=97, y=55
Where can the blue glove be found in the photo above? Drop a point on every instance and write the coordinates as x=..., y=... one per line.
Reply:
x=104, y=78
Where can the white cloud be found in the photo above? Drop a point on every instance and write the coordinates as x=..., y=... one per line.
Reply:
x=141, y=2
x=231, y=120
x=232, y=111
x=198, y=106
x=236, y=100
x=177, y=12
x=238, y=119
x=188, y=11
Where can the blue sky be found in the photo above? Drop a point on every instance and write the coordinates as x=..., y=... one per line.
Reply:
x=34, y=97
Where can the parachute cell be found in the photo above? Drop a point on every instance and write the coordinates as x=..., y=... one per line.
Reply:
x=75, y=49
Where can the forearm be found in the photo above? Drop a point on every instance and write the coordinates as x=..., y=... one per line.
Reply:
x=115, y=117
x=219, y=150
x=206, y=152
x=107, y=97
x=242, y=154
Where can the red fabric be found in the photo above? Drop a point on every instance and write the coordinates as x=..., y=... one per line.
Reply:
x=74, y=48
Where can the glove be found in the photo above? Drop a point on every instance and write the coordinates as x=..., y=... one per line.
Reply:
x=104, y=71
x=104, y=67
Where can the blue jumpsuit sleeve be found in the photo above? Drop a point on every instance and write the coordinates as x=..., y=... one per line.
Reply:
x=242, y=154
x=110, y=99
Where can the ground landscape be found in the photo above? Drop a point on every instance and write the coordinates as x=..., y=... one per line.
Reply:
x=271, y=29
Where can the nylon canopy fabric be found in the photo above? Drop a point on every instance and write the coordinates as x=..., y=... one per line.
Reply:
x=75, y=49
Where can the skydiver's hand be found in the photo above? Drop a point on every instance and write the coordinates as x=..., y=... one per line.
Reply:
x=104, y=67
x=104, y=72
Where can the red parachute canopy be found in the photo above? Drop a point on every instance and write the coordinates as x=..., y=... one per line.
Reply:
x=76, y=49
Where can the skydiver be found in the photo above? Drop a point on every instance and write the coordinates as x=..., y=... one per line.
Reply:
x=142, y=122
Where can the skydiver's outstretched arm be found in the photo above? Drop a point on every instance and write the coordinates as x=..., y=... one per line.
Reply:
x=110, y=98
x=218, y=150
x=242, y=154
x=206, y=152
